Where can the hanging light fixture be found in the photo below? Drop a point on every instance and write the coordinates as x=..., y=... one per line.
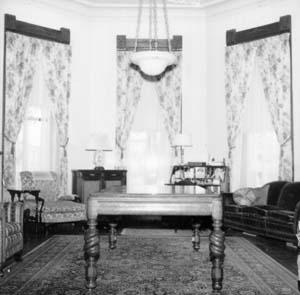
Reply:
x=152, y=61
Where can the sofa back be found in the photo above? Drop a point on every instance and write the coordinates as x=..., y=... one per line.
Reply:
x=274, y=191
x=289, y=196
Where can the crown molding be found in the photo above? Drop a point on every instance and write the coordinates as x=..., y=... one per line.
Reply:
x=127, y=9
x=91, y=5
x=232, y=6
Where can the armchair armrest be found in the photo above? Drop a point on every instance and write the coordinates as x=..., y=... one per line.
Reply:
x=228, y=199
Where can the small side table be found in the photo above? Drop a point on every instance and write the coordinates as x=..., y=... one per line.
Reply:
x=34, y=192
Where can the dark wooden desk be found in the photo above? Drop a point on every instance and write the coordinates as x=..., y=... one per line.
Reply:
x=116, y=204
x=87, y=181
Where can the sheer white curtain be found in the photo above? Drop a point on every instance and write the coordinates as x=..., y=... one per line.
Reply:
x=37, y=144
x=258, y=146
x=148, y=155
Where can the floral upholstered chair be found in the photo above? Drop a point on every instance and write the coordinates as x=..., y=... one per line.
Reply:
x=11, y=232
x=52, y=208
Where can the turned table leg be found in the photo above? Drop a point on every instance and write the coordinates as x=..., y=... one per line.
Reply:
x=217, y=249
x=196, y=236
x=112, y=238
x=92, y=253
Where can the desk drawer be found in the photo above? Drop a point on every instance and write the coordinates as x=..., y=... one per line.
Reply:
x=92, y=175
x=115, y=175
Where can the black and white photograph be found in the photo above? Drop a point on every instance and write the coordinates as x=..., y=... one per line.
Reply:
x=149, y=147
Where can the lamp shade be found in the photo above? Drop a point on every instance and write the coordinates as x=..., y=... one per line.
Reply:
x=99, y=142
x=182, y=140
x=153, y=62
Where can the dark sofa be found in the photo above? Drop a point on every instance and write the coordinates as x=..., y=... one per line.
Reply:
x=277, y=218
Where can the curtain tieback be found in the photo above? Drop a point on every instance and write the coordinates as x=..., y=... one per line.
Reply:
x=13, y=144
x=231, y=147
x=64, y=147
x=285, y=141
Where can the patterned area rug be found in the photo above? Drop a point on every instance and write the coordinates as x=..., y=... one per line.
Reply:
x=146, y=266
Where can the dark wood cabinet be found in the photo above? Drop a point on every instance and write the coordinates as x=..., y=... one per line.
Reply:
x=87, y=181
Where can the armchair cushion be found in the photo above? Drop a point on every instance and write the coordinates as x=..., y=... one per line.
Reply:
x=62, y=206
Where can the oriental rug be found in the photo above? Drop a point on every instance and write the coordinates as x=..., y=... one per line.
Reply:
x=146, y=266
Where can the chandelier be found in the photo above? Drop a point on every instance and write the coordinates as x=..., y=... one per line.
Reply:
x=152, y=62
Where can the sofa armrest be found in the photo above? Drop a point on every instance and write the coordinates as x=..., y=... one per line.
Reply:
x=228, y=199
x=2, y=216
x=16, y=210
x=296, y=217
x=2, y=233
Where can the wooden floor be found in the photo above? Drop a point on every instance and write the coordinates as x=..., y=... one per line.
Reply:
x=278, y=250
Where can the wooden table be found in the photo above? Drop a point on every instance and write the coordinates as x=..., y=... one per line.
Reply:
x=161, y=204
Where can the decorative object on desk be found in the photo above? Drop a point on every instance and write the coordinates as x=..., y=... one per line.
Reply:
x=99, y=143
x=182, y=140
x=214, y=179
x=152, y=62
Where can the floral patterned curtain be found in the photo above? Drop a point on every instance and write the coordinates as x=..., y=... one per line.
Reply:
x=129, y=86
x=273, y=56
x=22, y=55
x=20, y=68
x=168, y=87
x=239, y=63
x=57, y=58
x=274, y=61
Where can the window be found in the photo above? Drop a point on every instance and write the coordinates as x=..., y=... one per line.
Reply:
x=149, y=154
x=259, y=147
x=37, y=143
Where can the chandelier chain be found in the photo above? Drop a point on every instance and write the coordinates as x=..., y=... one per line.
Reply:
x=150, y=23
x=167, y=25
x=138, y=25
x=155, y=23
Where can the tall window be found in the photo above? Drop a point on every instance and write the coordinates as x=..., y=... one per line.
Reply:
x=37, y=144
x=149, y=153
x=259, y=144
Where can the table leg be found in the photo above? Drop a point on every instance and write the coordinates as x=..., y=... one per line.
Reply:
x=196, y=236
x=92, y=253
x=217, y=249
x=112, y=238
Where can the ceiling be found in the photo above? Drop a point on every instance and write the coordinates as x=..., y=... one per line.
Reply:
x=128, y=3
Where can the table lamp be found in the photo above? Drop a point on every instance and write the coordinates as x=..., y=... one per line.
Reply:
x=180, y=141
x=99, y=144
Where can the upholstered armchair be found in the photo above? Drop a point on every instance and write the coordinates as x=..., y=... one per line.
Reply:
x=50, y=206
x=11, y=232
